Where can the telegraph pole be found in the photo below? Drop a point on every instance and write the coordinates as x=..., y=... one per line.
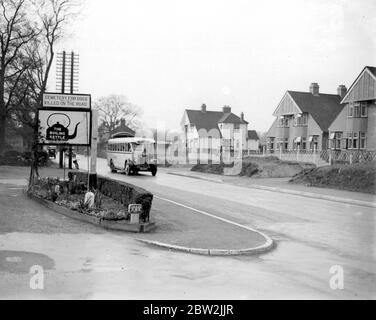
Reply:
x=67, y=71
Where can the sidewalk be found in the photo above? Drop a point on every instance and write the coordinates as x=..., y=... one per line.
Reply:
x=282, y=185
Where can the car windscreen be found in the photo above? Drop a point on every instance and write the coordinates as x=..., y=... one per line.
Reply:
x=143, y=147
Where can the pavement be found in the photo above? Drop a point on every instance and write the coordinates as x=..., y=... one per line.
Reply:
x=86, y=262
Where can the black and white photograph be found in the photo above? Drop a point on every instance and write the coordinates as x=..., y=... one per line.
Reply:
x=187, y=155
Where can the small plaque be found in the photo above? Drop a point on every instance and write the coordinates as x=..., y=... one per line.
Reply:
x=135, y=208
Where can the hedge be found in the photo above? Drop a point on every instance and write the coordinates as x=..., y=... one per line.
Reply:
x=120, y=191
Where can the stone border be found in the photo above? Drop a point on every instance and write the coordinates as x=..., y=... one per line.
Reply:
x=289, y=191
x=111, y=225
x=269, y=245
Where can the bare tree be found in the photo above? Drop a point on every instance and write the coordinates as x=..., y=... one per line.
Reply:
x=113, y=108
x=16, y=32
x=27, y=53
x=55, y=17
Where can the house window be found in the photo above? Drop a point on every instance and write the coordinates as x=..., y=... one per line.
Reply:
x=271, y=143
x=355, y=140
x=351, y=110
x=313, y=142
x=286, y=144
x=363, y=140
x=349, y=140
x=338, y=139
x=301, y=120
x=363, y=110
x=356, y=111
x=236, y=126
x=283, y=122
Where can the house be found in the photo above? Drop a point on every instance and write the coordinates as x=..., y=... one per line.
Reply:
x=120, y=131
x=355, y=126
x=210, y=132
x=303, y=119
x=253, y=141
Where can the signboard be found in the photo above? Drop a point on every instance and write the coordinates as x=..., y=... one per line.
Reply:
x=135, y=208
x=64, y=126
x=61, y=100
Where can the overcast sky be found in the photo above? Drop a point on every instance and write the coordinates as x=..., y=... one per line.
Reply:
x=168, y=55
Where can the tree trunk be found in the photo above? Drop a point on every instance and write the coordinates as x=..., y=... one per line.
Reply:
x=3, y=122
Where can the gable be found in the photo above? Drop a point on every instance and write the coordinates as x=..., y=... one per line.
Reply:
x=323, y=108
x=286, y=106
x=364, y=87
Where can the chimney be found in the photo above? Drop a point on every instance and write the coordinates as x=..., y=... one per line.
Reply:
x=226, y=109
x=203, y=108
x=122, y=122
x=242, y=116
x=341, y=91
x=314, y=89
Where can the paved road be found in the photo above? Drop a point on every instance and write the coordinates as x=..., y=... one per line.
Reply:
x=312, y=235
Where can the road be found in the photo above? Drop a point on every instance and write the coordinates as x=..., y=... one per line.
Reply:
x=312, y=236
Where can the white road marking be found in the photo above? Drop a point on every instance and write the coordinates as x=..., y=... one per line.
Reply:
x=269, y=240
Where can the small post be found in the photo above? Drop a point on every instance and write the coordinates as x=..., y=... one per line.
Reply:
x=351, y=158
x=314, y=155
x=94, y=142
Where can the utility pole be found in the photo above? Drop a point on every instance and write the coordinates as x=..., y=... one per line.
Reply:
x=66, y=71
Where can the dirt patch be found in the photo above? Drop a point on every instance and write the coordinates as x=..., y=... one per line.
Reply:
x=357, y=177
x=259, y=167
x=210, y=168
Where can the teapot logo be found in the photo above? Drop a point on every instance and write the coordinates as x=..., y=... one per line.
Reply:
x=59, y=130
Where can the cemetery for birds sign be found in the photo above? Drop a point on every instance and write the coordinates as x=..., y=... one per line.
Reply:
x=61, y=100
x=64, y=126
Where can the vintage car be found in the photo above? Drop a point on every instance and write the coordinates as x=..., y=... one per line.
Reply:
x=132, y=155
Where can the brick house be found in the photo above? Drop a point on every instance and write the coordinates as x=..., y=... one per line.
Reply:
x=355, y=127
x=303, y=119
x=211, y=131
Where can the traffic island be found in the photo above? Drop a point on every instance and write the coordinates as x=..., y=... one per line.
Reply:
x=185, y=229
x=113, y=205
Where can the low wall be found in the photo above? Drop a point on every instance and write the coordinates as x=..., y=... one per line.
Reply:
x=120, y=191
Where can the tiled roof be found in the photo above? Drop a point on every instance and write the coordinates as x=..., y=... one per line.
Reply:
x=324, y=108
x=231, y=118
x=209, y=120
x=252, y=135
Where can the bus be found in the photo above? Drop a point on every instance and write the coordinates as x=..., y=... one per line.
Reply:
x=132, y=155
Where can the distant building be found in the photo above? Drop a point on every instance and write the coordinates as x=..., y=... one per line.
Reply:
x=211, y=131
x=120, y=131
x=253, y=141
x=303, y=119
x=355, y=126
